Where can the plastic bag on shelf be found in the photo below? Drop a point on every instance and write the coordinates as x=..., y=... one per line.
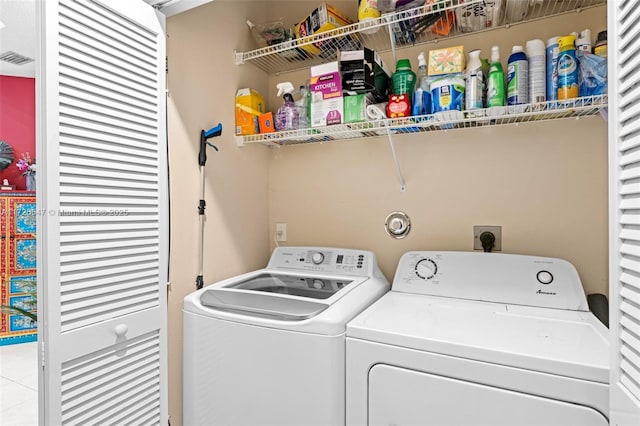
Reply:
x=592, y=74
x=274, y=33
x=408, y=30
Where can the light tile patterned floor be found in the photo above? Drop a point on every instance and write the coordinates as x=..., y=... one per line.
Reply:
x=19, y=384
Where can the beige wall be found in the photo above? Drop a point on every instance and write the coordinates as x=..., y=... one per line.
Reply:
x=544, y=183
x=203, y=79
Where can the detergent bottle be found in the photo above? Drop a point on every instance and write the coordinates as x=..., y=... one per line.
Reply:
x=495, y=82
x=288, y=115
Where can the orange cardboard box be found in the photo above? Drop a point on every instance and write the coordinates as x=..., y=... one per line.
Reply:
x=249, y=105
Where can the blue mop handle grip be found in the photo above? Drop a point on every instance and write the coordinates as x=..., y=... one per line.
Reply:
x=214, y=131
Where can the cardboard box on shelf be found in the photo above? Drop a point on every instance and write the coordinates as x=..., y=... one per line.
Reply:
x=323, y=18
x=326, y=95
x=448, y=60
x=363, y=71
x=249, y=106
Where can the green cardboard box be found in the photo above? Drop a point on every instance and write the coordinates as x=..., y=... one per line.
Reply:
x=355, y=108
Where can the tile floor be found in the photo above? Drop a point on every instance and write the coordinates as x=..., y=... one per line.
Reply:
x=19, y=384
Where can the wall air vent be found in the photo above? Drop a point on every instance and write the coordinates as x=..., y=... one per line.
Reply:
x=14, y=58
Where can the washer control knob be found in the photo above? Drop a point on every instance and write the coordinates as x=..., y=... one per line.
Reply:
x=544, y=277
x=317, y=258
x=426, y=268
x=318, y=284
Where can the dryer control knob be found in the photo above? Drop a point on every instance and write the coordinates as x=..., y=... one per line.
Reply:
x=544, y=277
x=317, y=258
x=426, y=268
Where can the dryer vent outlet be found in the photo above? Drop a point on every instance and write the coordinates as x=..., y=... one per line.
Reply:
x=495, y=230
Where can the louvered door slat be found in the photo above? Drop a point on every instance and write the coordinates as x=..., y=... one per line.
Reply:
x=632, y=187
x=107, y=175
x=631, y=157
x=630, y=249
x=104, y=294
x=632, y=325
x=84, y=94
x=120, y=269
x=628, y=62
x=629, y=172
x=631, y=16
x=106, y=246
x=106, y=213
x=98, y=127
x=131, y=33
x=100, y=147
x=110, y=50
x=632, y=111
x=631, y=292
x=630, y=219
x=95, y=389
x=110, y=283
x=82, y=88
x=628, y=137
x=74, y=180
x=630, y=203
x=107, y=120
x=83, y=66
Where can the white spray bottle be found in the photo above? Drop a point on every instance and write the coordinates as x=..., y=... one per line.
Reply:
x=287, y=117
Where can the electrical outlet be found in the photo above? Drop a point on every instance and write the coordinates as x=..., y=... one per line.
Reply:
x=281, y=232
x=495, y=230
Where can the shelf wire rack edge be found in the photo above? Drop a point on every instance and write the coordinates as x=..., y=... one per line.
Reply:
x=553, y=110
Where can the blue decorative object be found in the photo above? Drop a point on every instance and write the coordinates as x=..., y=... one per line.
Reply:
x=25, y=254
x=25, y=218
x=22, y=283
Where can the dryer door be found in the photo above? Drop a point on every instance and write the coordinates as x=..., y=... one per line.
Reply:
x=408, y=397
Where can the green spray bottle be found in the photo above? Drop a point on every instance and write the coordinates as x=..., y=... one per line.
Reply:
x=495, y=81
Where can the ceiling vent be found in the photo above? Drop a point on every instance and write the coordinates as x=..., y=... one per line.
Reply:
x=15, y=58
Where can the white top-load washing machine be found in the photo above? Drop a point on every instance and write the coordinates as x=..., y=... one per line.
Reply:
x=478, y=339
x=268, y=347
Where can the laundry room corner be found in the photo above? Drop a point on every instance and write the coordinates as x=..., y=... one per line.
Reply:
x=202, y=80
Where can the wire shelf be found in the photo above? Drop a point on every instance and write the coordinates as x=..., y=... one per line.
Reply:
x=553, y=110
x=438, y=19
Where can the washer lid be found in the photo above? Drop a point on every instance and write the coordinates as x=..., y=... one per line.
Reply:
x=268, y=294
x=303, y=286
x=564, y=343
x=262, y=305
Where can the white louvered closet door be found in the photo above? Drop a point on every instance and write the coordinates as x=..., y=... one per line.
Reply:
x=103, y=227
x=624, y=166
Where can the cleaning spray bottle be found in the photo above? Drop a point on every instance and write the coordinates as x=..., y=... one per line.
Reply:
x=303, y=108
x=421, y=96
x=474, y=86
x=495, y=84
x=287, y=117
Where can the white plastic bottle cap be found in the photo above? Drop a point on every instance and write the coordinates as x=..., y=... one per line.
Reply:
x=535, y=47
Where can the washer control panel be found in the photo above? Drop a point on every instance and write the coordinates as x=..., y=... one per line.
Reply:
x=325, y=260
x=493, y=277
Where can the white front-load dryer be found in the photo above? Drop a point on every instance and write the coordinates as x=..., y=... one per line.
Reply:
x=268, y=347
x=478, y=339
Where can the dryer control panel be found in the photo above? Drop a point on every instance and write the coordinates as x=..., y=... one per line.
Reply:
x=326, y=260
x=492, y=277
